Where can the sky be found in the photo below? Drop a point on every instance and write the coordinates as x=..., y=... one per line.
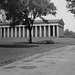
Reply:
x=62, y=13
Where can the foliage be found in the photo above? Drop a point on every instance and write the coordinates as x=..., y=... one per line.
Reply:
x=71, y=6
x=46, y=42
x=68, y=33
x=26, y=11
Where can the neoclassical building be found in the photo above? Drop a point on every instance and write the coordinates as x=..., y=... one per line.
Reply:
x=54, y=28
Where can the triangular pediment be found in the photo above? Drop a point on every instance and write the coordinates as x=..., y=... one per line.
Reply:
x=59, y=21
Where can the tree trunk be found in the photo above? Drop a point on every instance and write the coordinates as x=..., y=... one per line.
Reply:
x=30, y=35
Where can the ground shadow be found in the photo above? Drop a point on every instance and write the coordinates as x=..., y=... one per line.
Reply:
x=19, y=45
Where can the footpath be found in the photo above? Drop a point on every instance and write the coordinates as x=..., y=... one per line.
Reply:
x=60, y=61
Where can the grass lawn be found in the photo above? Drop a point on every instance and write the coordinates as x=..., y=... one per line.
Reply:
x=15, y=49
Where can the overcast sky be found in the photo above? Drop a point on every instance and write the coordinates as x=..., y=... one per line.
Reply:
x=64, y=14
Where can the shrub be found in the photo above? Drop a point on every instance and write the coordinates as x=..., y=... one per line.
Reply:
x=46, y=42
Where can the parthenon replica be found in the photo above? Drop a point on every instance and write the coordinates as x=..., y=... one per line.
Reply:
x=54, y=28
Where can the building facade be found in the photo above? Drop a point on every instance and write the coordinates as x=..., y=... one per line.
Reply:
x=54, y=28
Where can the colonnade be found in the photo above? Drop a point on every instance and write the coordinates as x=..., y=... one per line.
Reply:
x=37, y=31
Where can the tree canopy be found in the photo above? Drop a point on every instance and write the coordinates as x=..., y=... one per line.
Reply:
x=68, y=33
x=25, y=11
x=71, y=6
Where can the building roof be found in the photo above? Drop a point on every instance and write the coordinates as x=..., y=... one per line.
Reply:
x=4, y=24
x=59, y=21
x=52, y=21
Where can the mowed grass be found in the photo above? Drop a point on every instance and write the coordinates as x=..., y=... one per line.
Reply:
x=13, y=49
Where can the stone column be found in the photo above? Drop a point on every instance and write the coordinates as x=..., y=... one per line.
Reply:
x=49, y=31
x=27, y=32
x=15, y=31
x=19, y=32
x=4, y=33
x=1, y=33
x=57, y=31
x=8, y=32
x=62, y=31
x=35, y=31
x=44, y=31
x=32, y=31
x=23, y=31
x=40, y=31
x=53, y=31
x=11, y=32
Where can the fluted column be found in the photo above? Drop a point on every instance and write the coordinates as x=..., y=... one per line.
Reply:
x=40, y=31
x=44, y=31
x=27, y=32
x=35, y=31
x=19, y=31
x=53, y=31
x=57, y=31
x=49, y=31
x=23, y=31
x=8, y=32
x=4, y=33
x=15, y=31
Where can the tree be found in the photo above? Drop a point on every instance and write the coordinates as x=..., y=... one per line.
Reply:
x=74, y=34
x=71, y=6
x=26, y=11
x=68, y=33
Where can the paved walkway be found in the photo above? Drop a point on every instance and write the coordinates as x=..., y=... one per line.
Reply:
x=57, y=62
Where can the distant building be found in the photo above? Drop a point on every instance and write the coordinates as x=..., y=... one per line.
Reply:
x=54, y=28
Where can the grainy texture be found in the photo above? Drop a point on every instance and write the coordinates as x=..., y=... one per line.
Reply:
x=16, y=49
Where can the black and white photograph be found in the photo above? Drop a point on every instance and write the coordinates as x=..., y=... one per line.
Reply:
x=37, y=37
